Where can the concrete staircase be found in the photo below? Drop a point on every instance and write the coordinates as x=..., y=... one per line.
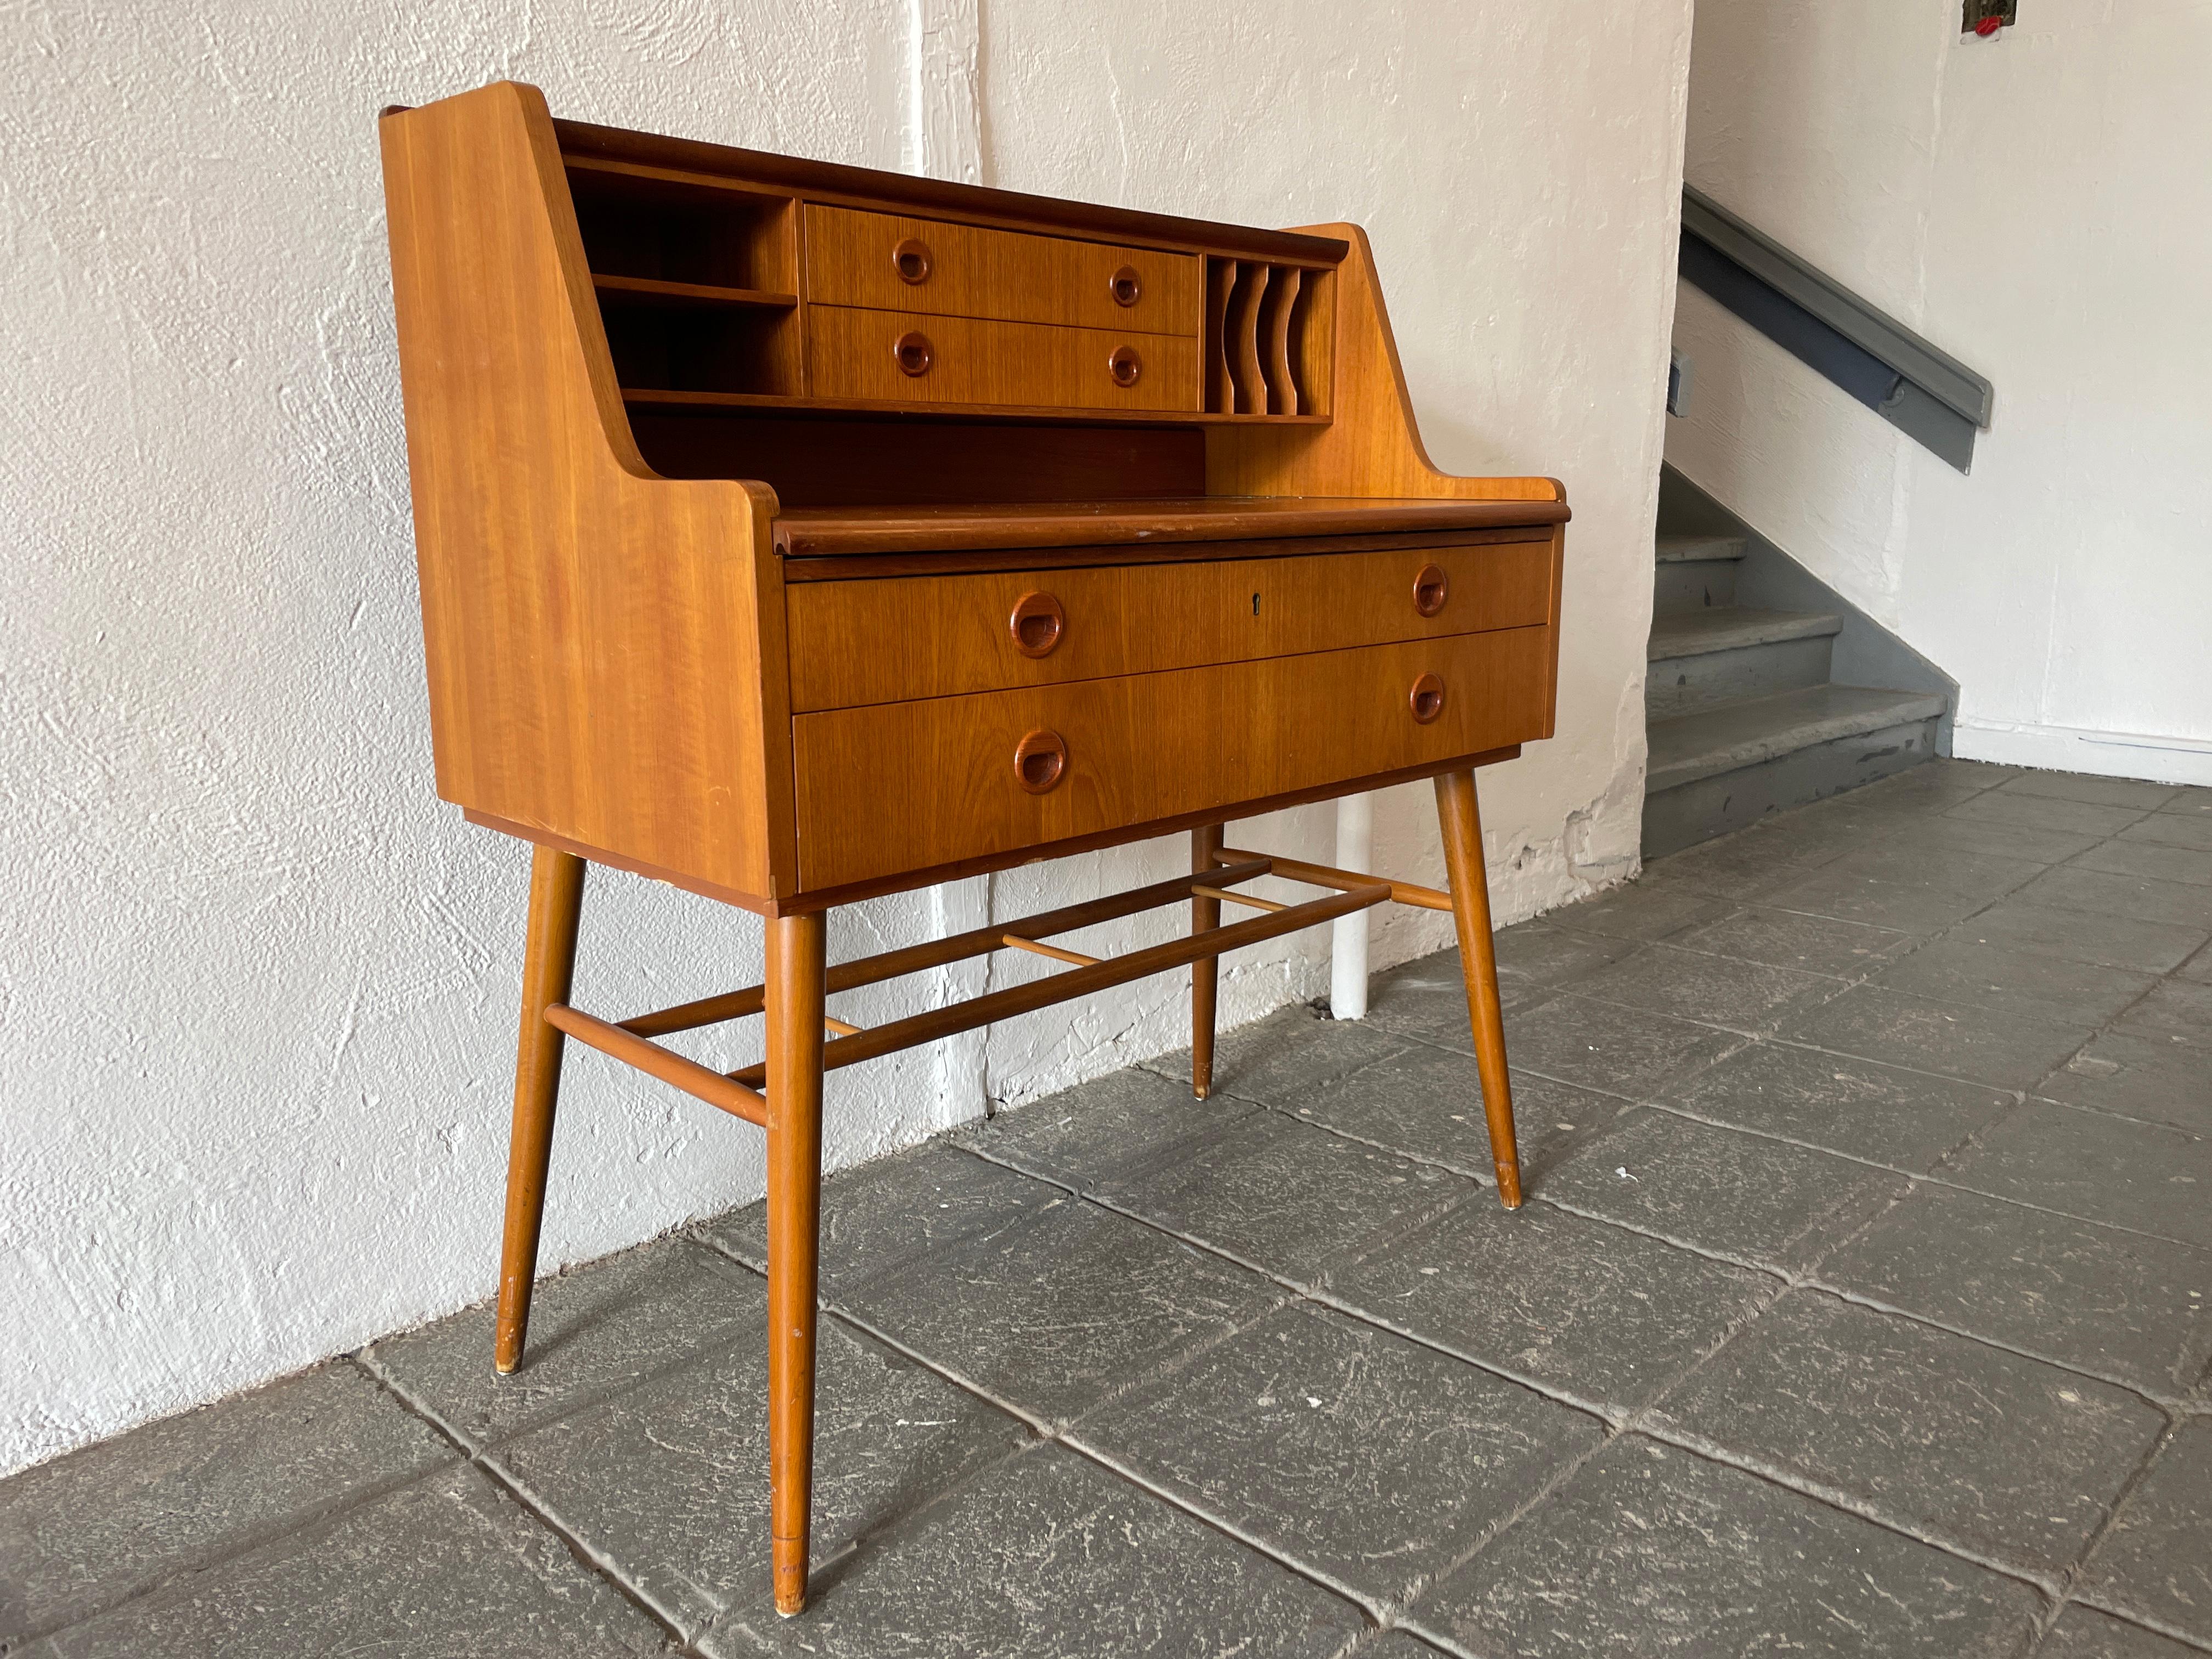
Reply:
x=1743, y=715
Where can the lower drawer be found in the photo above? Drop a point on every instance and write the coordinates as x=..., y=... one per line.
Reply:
x=907, y=786
x=910, y=357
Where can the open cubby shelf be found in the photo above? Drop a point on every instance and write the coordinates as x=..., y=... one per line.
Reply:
x=647, y=291
x=1268, y=343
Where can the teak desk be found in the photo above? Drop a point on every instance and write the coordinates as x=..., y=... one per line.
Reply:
x=796, y=533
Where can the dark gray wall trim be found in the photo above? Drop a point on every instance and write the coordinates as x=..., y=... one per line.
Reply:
x=1866, y=652
x=1913, y=384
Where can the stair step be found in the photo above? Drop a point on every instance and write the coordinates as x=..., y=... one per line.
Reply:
x=1675, y=550
x=1732, y=628
x=1739, y=734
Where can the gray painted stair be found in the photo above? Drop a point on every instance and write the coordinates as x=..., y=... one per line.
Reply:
x=1741, y=712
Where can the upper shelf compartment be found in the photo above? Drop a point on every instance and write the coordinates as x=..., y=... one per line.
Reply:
x=1270, y=337
x=697, y=278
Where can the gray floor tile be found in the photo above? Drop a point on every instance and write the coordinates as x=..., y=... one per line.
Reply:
x=1083, y=1136
x=2181, y=1010
x=2151, y=947
x=2190, y=829
x=1427, y=1103
x=2104, y=792
x=1276, y=1060
x=2084, y=1633
x=1963, y=873
x=884, y=1214
x=1898, y=1118
x=448, y=1568
x=2158, y=859
x=2045, y=813
x=1288, y=1197
x=2141, y=1175
x=1531, y=957
x=1365, y=1457
x=667, y=1482
x=1058, y=1310
x=2156, y=1078
x=1924, y=1427
x=88, y=1530
x=1050, y=1557
x=2156, y=1562
x=592, y=1330
x=1787, y=939
x=1397, y=1644
x=1940, y=781
x=1986, y=835
x=1959, y=968
x=1594, y=1313
x=2139, y=898
x=1877, y=902
x=1764, y=1202
x=2191, y=800
x=1992, y=1046
x=2112, y=1303
x=1649, y=1550
x=1611, y=1048
x=1640, y=911
x=1738, y=866
x=1694, y=984
x=2198, y=968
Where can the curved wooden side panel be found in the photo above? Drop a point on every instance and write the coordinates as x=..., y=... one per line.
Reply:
x=599, y=668
x=1372, y=445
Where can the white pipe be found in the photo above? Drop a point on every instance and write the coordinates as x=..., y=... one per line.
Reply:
x=1347, y=959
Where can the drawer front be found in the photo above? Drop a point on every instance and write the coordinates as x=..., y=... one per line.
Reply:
x=899, y=638
x=890, y=263
x=909, y=786
x=908, y=357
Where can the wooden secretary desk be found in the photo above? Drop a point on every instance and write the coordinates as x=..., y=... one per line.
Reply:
x=796, y=533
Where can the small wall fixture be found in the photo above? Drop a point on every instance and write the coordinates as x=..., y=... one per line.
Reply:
x=1986, y=17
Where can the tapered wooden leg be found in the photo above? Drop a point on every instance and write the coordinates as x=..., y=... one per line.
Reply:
x=549, y=964
x=795, y=1208
x=1206, y=973
x=1470, y=888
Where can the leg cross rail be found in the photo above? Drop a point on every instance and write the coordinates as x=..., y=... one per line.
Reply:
x=784, y=1095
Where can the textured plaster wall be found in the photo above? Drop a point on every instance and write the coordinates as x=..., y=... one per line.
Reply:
x=2039, y=206
x=256, y=983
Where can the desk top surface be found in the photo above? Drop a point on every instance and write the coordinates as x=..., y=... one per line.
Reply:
x=820, y=531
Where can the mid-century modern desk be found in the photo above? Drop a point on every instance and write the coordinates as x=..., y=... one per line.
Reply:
x=796, y=533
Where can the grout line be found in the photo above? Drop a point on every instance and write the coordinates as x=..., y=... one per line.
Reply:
x=2150, y=1622
x=593, y=1560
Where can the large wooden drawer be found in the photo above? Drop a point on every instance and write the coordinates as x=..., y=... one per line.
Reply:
x=910, y=358
x=909, y=786
x=891, y=263
x=895, y=639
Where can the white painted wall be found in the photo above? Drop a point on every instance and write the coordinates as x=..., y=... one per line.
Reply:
x=256, y=984
x=2038, y=205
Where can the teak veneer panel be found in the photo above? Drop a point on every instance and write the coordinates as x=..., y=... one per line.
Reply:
x=605, y=647
x=814, y=532
x=852, y=354
x=892, y=640
x=1005, y=274
x=1143, y=748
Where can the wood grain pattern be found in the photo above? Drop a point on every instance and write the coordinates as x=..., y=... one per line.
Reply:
x=899, y=638
x=1140, y=748
x=796, y=946
x=1461, y=821
x=821, y=533
x=1370, y=445
x=848, y=355
x=997, y=274
x=1038, y=561
x=604, y=648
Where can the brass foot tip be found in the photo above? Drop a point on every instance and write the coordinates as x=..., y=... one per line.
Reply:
x=1197, y=1093
x=507, y=1370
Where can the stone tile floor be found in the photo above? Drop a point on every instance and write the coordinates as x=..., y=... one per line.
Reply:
x=1859, y=1307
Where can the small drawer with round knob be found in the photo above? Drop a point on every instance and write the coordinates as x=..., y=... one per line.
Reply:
x=913, y=356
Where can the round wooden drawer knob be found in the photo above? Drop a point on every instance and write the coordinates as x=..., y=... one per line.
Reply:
x=1125, y=365
x=1431, y=589
x=1426, y=699
x=910, y=258
x=1039, y=760
x=1127, y=287
x=913, y=352
x=1037, y=624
